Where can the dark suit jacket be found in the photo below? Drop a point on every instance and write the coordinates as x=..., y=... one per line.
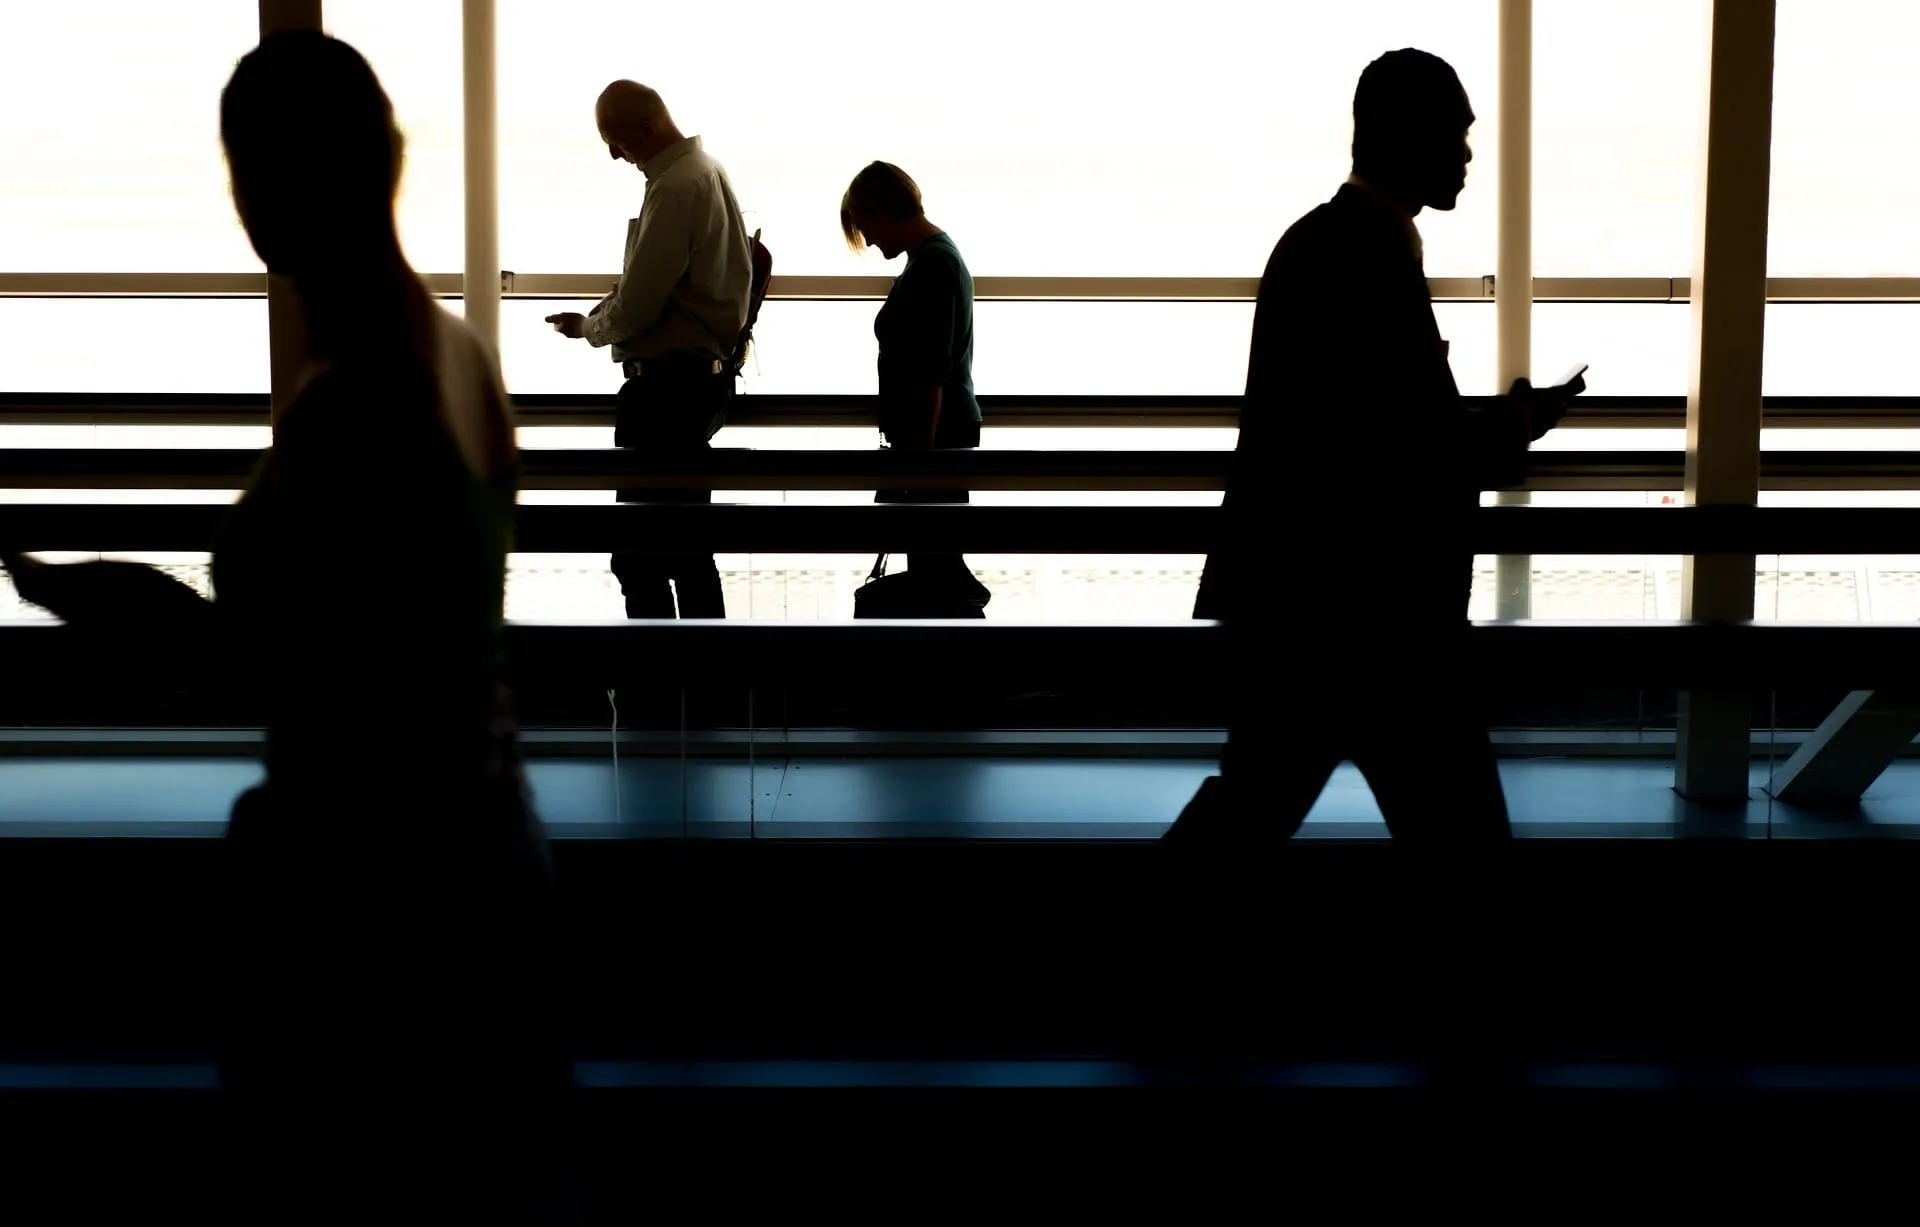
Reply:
x=1357, y=462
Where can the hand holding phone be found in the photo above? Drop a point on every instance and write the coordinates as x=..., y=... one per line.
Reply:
x=1572, y=384
x=1544, y=407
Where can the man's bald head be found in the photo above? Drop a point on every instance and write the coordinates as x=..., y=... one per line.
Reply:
x=634, y=122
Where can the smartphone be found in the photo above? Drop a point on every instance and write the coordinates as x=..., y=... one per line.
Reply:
x=1572, y=381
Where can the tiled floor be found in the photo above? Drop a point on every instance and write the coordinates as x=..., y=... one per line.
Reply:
x=1018, y=796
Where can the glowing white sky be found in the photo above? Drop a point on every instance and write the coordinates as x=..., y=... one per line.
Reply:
x=1051, y=136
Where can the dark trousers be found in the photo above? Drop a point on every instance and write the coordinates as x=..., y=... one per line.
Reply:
x=1406, y=714
x=671, y=411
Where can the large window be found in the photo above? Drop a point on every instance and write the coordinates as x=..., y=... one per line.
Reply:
x=415, y=48
x=1065, y=137
x=110, y=151
x=1054, y=138
x=1617, y=105
x=1846, y=190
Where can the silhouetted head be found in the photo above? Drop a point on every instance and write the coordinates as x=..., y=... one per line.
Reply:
x=1410, y=121
x=313, y=153
x=882, y=209
x=634, y=122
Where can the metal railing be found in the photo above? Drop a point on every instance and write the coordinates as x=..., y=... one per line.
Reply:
x=756, y=409
x=984, y=529
x=986, y=288
x=745, y=469
x=1183, y=655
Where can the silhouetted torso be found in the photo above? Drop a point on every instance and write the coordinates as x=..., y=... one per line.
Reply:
x=1357, y=461
x=925, y=331
x=1344, y=570
x=392, y=882
x=363, y=572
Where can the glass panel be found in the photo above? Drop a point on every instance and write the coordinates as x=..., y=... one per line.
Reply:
x=1024, y=124
x=1837, y=588
x=1021, y=348
x=1617, y=91
x=1633, y=349
x=155, y=437
x=1843, y=200
x=183, y=345
x=1590, y=587
x=1469, y=330
x=1841, y=349
x=112, y=140
x=858, y=438
x=415, y=49
x=1046, y=588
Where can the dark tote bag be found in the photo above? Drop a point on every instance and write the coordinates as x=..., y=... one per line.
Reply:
x=907, y=595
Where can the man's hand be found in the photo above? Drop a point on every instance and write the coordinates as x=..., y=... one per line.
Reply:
x=1541, y=408
x=569, y=324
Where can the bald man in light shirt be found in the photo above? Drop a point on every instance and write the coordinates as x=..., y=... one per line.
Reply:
x=673, y=323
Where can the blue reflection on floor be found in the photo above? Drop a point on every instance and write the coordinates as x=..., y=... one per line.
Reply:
x=34, y=1076
x=968, y=797
x=1038, y=1074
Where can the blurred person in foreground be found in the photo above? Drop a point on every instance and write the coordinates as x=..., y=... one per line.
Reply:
x=389, y=947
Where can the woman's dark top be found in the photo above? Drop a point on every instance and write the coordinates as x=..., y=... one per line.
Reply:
x=925, y=331
x=363, y=572
x=393, y=878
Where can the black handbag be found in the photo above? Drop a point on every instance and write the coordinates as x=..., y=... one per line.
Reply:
x=908, y=595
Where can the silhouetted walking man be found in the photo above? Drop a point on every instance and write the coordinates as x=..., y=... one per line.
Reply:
x=674, y=322
x=1356, y=469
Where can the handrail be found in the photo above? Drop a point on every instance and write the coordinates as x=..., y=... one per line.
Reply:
x=611, y=468
x=1197, y=655
x=989, y=288
x=1509, y=655
x=766, y=469
x=769, y=409
x=987, y=529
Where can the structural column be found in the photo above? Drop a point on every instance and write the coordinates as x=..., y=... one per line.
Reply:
x=286, y=326
x=1513, y=269
x=481, y=284
x=1723, y=401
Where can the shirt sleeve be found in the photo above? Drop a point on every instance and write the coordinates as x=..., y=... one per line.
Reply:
x=661, y=252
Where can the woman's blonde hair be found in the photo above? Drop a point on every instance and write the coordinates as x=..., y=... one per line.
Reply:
x=880, y=187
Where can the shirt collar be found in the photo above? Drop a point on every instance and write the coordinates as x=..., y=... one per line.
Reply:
x=1397, y=209
x=663, y=161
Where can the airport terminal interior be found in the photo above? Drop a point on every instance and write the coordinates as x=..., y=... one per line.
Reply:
x=803, y=853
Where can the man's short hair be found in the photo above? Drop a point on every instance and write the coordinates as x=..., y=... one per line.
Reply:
x=1402, y=96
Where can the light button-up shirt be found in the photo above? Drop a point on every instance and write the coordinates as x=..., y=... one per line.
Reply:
x=688, y=271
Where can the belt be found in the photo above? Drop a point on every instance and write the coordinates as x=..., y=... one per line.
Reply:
x=672, y=364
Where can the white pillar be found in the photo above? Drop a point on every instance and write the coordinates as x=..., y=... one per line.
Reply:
x=286, y=323
x=481, y=285
x=1513, y=268
x=1723, y=401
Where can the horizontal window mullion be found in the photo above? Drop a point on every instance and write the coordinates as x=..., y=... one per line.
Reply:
x=986, y=288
